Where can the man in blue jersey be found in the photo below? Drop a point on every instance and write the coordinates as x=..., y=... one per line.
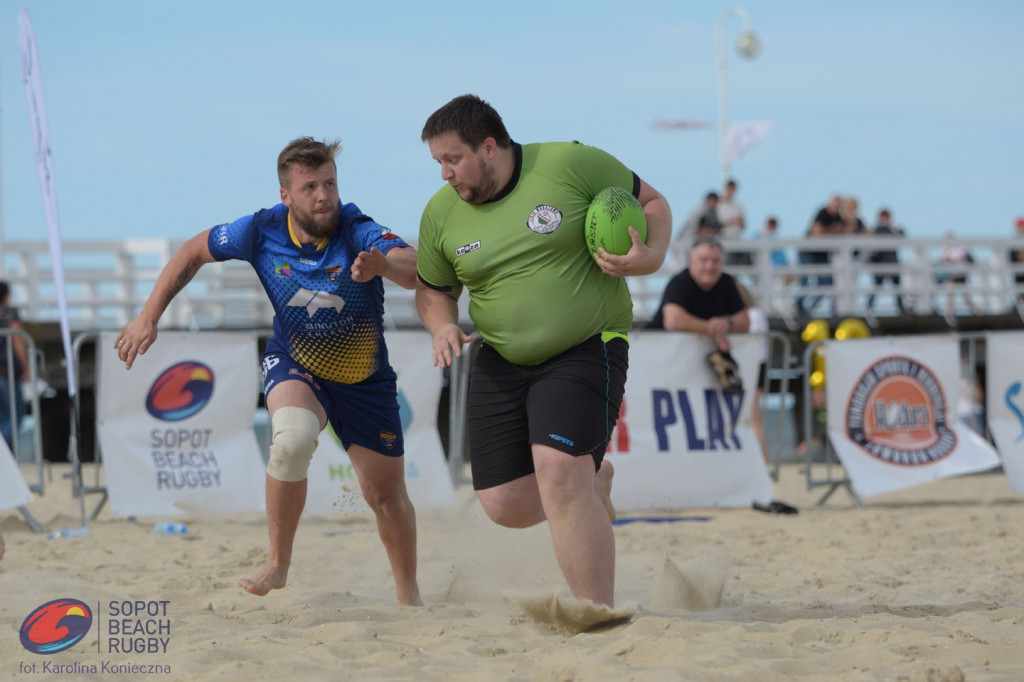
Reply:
x=321, y=263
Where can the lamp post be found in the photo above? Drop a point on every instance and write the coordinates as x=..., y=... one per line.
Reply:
x=747, y=46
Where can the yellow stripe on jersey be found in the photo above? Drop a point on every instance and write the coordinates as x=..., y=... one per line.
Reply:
x=295, y=240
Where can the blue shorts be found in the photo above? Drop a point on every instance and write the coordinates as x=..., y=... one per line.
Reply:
x=363, y=414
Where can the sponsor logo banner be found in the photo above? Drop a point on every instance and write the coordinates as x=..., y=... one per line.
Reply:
x=177, y=430
x=891, y=407
x=1005, y=401
x=680, y=441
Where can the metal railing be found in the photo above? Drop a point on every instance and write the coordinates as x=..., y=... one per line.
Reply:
x=106, y=282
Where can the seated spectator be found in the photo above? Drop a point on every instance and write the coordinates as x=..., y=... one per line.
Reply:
x=885, y=228
x=704, y=300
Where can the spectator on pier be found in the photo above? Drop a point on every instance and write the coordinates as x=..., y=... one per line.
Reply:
x=771, y=231
x=703, y=221
x=955, y=260
x=1017, y=259
x=828, y=221
x=886, y=257
x=730, y=215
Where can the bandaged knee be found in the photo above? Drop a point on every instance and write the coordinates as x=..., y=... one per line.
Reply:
x=296, y=431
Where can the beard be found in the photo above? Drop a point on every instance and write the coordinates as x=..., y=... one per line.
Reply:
x=485, y=189
x=319, y=225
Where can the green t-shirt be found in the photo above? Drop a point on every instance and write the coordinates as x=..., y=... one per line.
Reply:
x=534, y=290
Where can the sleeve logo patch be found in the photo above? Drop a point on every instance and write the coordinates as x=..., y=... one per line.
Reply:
x=463, y=250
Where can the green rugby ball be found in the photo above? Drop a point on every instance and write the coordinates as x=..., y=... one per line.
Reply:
x=610, y=214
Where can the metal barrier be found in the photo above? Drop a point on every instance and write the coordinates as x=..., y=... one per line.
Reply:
x=78, y=487
x=16, y=410
x=831, y=462
x=779, y=348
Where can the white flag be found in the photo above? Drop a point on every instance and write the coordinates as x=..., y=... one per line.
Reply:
x=743, y=136
x=44, y=160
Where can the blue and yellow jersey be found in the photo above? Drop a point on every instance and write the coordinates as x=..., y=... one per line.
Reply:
x=326, y=322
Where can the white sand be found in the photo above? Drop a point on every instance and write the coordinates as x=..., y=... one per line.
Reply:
x=919, y=586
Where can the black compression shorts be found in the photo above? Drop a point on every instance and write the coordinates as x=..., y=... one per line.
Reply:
x=570, y=402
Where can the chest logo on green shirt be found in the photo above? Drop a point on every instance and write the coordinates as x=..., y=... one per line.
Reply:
x=544, y=219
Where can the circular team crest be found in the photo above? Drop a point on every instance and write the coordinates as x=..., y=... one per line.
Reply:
x=897, y=413
x=544, y=219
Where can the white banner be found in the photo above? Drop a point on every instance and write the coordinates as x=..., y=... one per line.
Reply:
x=333, y=485
x=14, y=491
x=892, y=413
x=1005, y=401
x=176, y=430
x=680, y=442
x=32, y=79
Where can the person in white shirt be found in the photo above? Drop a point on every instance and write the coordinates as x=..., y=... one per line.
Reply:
x=733, y=222
x=730, y=213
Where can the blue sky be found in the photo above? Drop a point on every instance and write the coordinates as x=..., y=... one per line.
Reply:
x=166, y=117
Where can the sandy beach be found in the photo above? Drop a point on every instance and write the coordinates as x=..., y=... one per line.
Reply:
x=921, y=585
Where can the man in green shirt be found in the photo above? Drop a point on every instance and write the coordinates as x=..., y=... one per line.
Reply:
x=547, y=383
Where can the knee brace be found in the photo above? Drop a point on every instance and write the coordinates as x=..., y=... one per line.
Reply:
x=295, y=436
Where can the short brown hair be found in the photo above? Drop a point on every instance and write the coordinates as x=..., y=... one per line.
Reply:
x=472, y=118
x=304, y=151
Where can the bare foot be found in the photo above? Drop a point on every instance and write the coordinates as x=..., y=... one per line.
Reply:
x=603, y=486
x=411, y=600
x=268, y=578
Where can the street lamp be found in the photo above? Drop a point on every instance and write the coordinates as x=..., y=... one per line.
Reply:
x=747, y=46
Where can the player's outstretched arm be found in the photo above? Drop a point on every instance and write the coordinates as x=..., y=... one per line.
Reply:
x=139, y=334
x=439, y=311
x=642, y=258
